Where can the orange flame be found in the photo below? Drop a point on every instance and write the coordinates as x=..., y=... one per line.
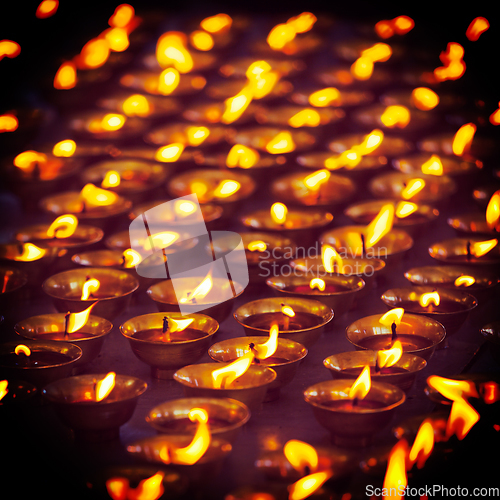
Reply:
x=287, y=311
x=168, y=81
x=433, y=166
x=122, y=16
x=423, y=444
x=148, y=489
x=105, y=386
x=170, y=153
x=200, y=292
x=46, y=9
x=94, y=196
x=282, y=34
x=226, y=188
x=305, y=118
x=480, y=248
x=217, y=24
x=413, y=187
x=301, y=455
x=171, y=51
x=396, y=116
x=178, y=325
x=197, y=135
x=89, y=287
x=362, y=68
x=316, y=179
x=131, y=258
x=405, y=208
x=493, y=210
x=27, y=160
x=424, y=98
x=66, y=76
x=158, y=241
x=223, y=377
x=306, y=486
x=136, y=105
x=464, y=281
x=331, y=259
x=324, y=97
x=65, y=148
x=428, y=298
x=22, y=348
x=93, y=54
x=282, y=143
x=9, y=48
x=454, y=67
x=399, y=25
x=268, y=348
x=201, y=40
x=390, y=356
x=261, y=80
x=236, y=106
x=76, y=321
x=463, y=139
x=242, y=156
x=111, y=179
x=476, y=28
x=362, y=384
x=490, y=392
x=495, y=116
x=3, y=388
x=30, y=253
x=393, y=316
x=8, y=123
x=395, y=479
x=184, y=208
x=257, y=246
x=278, y=213
x=109, y=122
x=317, y=283
x=379, y=226
x=63, y=227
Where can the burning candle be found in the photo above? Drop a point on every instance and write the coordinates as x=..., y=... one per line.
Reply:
x=471, y=251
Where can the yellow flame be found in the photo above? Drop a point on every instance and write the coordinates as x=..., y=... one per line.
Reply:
x=396, y=116
x=306, y=486
x=303, y=22
x=400, y=25
x=413, y=186
x=178, y=325
x=236, y=106
x=217, y=24
x=268, y=348
x=201, y=40
x=424, y=98
x=423, y=444
x=226, y=188
x=261, y=80
x=197, y=135
x=287, y=311
x=136, y=105
x=280, y=35
x=301, y=455
x=428, y=298
x=117, y=39
x=105, y=386
x=378, y=53
x=94, y=54
x=362, y=68
x=257, y=246
x=161, y=240
x=433, y=166
x=331, y=259
x=279, y=212
x=94, y=196
x=150, y=488
x=463, y=139
x=281, y=143
x=168, y=81
x=380, y=226
x=30, y=252
x=481, y=248
x=22, y=348
x=171, y=51
x=305, y=118
x=405, y=208
x=65, y=77
x=89, y=287
x=122, y=16
x=223, y=377
x=324, y=97
x=314, y=180
x=200, y=292
x=476, y=28
x=170, y=153
x=317, y=283
x=131, y=258
x=8, y=123
x=361, y=386
x=464, y=281
x=64, y=148
x=242, y=156
x=390, y=356
x=184, y=208
x=46, y=8
x=493, y=210
x=63, y=227
x=113, y=121
x=393, y=316
x=28, y=159
x=76, y=321
x=395, y=479
x=3, y=388
x=111, y=179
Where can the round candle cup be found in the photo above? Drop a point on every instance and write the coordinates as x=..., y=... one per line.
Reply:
x=452, y=311
x=366, y=269
x=300, y=225
x=339, y=295
x=473, y=224
x=250, y=388
x=48, y=361
x=419, y=335
x=229, y=88
x=237, y=68
x=347, y=98
x=89, y=338
x=437, y=189
x=164, y=295
x=350, y=364
x=114, y=293
x=280, y=116
x=90, y=420
x=391, y=146
x=306, y=327
x=212, y=112
x=445, y=277
x=226, y=417
x=166, y=355
x=302, y=45
x=454, y=251
x=481, y=147
x=491, y=332
x=260, y=137
x=291, y=189
x=177, y=132
x=353, y=424
x=365, y=211
x=102, y=258
x=390, y=248
x=284, y=361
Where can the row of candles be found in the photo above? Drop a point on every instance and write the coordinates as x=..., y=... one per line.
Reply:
x=394, y=347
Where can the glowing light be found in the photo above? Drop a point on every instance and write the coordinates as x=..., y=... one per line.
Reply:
x=147, y=489
x=423, y=444
x=200, y=292
x=380, y=225
x=89, y=287
x=463, y=139
x=242, y=156
x=399, y=25
x=30, y=253
x=197, y=135
x=395, y=479
x=268, y=348
x=161, y=240
x=331, y=259
x=94, y=196
x=111, y=179
x=433, y=166
x=362, y=68
x=480, y=248
x=63, y=227
x=261, y=80
x=8, y=123
x=324, y=97
x=282, y=143
x=22, y=348
x=9, y=48
x=65, y=148
x=217, y=24
x=316, y=179
x=476, y=28
x=66, y=76
x=94, y=54
x=169, y=153
x=76, y=321
x=280, y=35
x=201, y=40
x=396, y=116
x=454, y=67
x=306, y=486
x=493, y=210
x=46, y=9
x=236, y=106
x=131, y=258
x=405, y=208
x=317, y=283
x=305, y=118
x=394, y=316
x=3, y=388
x=257, y=246
x=105, y=386
x=390, y=356
x=171, y=51
x=113, y=121
x=429, y=298
x=122, y=16
x=495, y=116
x=225, y=376
x=278, y=213
x=178, y=325
x=168, y=81
x=27, y=160
x=361, y=386
x=287, y=311
x=464, y=281
x=301, y=455
x=424, y=98
x=226, y=188
x=413, y=187
x=136, y=105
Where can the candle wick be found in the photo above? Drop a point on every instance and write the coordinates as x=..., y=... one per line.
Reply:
x=355, y=402
x=252, y=348
x=363, y=245
x=66, y=324
x=468, y=250
x=165, y=325
x=394, y=333
x=307, y=470
x=377, y=366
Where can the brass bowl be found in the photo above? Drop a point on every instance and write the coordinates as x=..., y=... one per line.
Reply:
x=36, y=374
x=91, y=420
x=167, y=357
x=353, y=428
x=285, y=361
x=422, y=327
x=89, y=338
x=472, y=224
x=409, y=364
x=116, y=290
x=228, y=415
x=306, y=336
x=250, y=388
x=164, y=295
x=340, y=301
x=454, y=251
x=408, y=298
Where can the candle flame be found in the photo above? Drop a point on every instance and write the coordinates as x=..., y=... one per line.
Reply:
x=131, y=258
x=111, y=179
x=171, y=50
x=111, y=122
x=93, y=54
x=136, y=105
x=201, y=40
x=405, y=208
x=464, y=281
x=395, y=479
x=236, y=106
x=117, y=39
x=495, y=116
x=379, y=226
x=428, y=298
x=217, y=24
x=361, y=386
x=316, y=179
x=197, y=135
x=65, y=77
x=27, y=160
x=433, y=166
x=223, y=377
x=76, y=321
x=257, y=246
x=279, y=212
x=89, y=287
x=200, y=292
x=393, y=316
x=226, y=188
x=454, y=66
x=242, y=156
x=105, y=386
x=63, y=227
x=287, y=311
x=480, y=248
x=463, y=139
x=362, y=68
x=301, y=455
x=413, y=187
x=325, y=97
x=399, y=25
x=476, y=28
x=424, y=98
x=22, y=348
x=370, y=143
x=331, y=259
x=94, y=196
x=281, y=143
x=317, y=283
x=284, y=33
x=169, y=153
x=396, y=116
x=306, y=118
x=168, y=81
x=65, y=148
x=306, y=486
x=158, y=241
x=268, y=348
x=9, y=48
x=30, y=253
x=423, y=444
x=148, y=489
x=493, y=210
x=122, y=16
x=3, y=388
x=390, y=356
x=8, y=123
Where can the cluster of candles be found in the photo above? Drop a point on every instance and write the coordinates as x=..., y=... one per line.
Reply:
x=260, y=144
